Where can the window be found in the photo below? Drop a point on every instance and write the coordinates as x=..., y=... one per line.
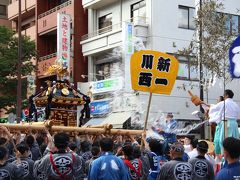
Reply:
x=62, y=1
x=138, y=10
x=185, y=71
x=108, y=70
x=232, y=23
x=3, y=10
x=186, y=17
x=12, y=1
x=103, y=69
x=105, y=23
x=26, y=26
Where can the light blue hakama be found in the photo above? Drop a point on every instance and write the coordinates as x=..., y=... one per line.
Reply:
x=232, y=126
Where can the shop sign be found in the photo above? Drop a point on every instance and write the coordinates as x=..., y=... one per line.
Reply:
x=99, y=107
x=107, y=85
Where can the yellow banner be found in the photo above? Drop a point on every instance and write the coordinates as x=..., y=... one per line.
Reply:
x=153, y=71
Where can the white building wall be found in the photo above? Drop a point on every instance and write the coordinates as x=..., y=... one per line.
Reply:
x=164, y=26
x=164, y=35
x=115, y=9
x=126, y=8
x=231, y=6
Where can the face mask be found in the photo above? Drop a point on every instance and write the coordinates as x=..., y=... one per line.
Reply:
x=187, y=147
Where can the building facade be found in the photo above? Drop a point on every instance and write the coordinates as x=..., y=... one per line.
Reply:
x=160, y=25
x=39, y=21
x=4, y=22
x=4, y=14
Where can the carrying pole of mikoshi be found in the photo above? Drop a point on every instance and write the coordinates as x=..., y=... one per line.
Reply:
x=69, y=129
x=107, y=126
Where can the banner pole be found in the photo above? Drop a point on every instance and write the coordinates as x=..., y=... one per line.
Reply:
x=210, y=131
x=146, y=120
x=224, y=105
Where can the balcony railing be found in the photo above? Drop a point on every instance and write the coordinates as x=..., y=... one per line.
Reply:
x=139, y=20
x=118, y=26
x=55, y=9
x=102, y=31
x=49, y=56
x=95, y=4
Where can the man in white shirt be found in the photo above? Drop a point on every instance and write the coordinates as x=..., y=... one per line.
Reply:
x=187, y=144
x=193, y=153
x=232, y=113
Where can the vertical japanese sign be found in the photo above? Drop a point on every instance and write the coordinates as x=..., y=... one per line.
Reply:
x=128, y=50
x=234, y=58
x=153, y=72
x=128, y=38
x=64, y=39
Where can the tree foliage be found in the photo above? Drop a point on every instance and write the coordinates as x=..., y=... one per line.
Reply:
x=9, y=63
x=217, y=36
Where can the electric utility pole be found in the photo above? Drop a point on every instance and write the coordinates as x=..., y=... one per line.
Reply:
x=19, y=67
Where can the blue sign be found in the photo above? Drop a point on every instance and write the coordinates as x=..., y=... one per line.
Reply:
x=99, y=107
x=234, y=58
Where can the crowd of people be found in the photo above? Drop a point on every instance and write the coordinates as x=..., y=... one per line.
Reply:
x=61, y=156
x=38, y=155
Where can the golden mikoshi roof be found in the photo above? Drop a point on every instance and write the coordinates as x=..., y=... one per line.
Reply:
x=57, y=69
x=62, y=93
